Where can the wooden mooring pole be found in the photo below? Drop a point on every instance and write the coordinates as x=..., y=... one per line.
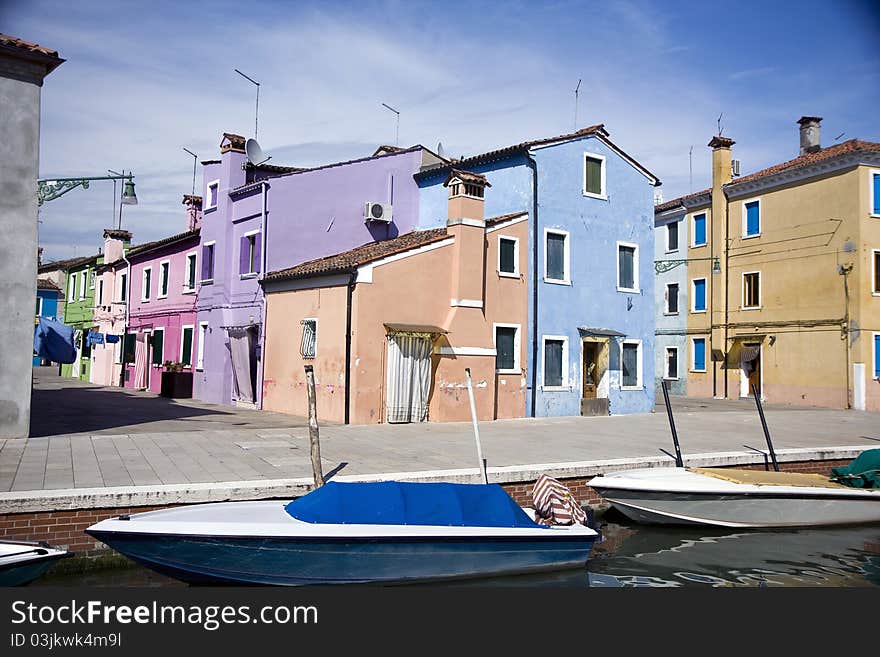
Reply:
x=480, y=459
x=679, y=462
x=314, y=440
x=757, y=396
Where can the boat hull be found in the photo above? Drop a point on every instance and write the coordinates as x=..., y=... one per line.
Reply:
x=288, y=561
x=24, y=572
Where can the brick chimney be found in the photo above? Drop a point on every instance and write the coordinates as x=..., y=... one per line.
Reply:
x=193, y=205
x=721, y=167
x=115, y=241
x=232, y=157
x=810, y=134
x=466, y=223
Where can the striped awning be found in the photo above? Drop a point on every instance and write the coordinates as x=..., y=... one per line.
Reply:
x=415, y=329
x=748, y=354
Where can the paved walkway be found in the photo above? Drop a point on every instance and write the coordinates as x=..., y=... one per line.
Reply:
x=232, y=445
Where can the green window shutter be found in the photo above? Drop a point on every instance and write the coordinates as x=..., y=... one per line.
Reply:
x=186, y=356
x=128, y=348
x=594, y=175
x=158, y=343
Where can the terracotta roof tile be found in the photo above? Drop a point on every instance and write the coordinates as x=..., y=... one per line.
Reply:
x=46, y=284
x=348, y=261
x=681, y=200
x=47, y=55
x=504, y=217
x=467, y=176
x=68, y=264
x=851, y=146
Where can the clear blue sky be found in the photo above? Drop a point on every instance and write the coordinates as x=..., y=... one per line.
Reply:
x=142, y=80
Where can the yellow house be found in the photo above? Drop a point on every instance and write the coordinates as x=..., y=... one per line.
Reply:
x=783, y=289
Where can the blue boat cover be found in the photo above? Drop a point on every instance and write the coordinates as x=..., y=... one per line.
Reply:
x=399, y=503
x=54, y=341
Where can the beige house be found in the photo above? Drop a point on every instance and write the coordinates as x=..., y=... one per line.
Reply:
x=783, y=290
x=391, y=326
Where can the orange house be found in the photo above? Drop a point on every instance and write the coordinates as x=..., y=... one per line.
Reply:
x=390, y=326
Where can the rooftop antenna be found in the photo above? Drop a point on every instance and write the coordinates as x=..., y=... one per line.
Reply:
x=719, y=123
x=576, y=89
x=691, y=167
x=195, y=160
x=257, y=112
x=440, y=150
x=839, y=136
x=397, y=129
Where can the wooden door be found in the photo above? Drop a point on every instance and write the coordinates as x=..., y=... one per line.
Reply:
x=591, y=370
x=755, y=375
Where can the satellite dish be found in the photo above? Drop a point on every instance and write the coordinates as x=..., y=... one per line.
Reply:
x=255, y=154
x=440, y=149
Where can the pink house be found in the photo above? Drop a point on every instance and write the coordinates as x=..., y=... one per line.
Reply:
x=110, y=305
x=162, y=318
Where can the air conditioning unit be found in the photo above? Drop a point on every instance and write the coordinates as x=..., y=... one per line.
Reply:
x=734, y=167
x=377, y=212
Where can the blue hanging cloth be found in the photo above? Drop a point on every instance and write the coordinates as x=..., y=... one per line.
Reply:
x=111, y=338
x=95, y=338
x=54, y=341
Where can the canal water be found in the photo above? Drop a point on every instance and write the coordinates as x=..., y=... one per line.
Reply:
x=631, y=555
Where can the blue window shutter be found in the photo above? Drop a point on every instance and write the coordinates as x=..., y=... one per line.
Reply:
x=699, y=295
x=243, y=255
x=876, y=181
x=753, y=219
x=700, y=354
x=699, y=229
x=877, y=355
x=257, y=254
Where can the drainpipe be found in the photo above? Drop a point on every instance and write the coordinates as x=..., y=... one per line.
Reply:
x=533, y=165
x=125, y=326
x=727, y=285
x=264, y=259
x=350, y=292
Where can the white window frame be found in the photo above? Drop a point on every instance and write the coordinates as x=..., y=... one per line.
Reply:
x=666, y=310
x=252, y=273
x=694, y=295
x=871, y=200
x=145, y=288
x=92, y=276
x=517, y=367
x=208, y=194
x=694, y=216
x=200, y=349
x=635, y=247
x=191, y=258
x=745, y=218
x=191, y=343
x=743, y=305
x=675, y=225
x=874, y=254
x=874, y=377
x=603, y=195
x=211, y=244
x=694, y=354
x=565, y=382
x=159, y=329
x=640, y=384
x=159, y=294
x=100, y=291
x=122, y=294
x=39, y=306
x=566, y=259
x=515, y=272
x=666, y=364
x=71, y=288
x=83, y=283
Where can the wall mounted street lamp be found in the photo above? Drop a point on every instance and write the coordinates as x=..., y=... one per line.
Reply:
x=50, y=189
x=663, y=266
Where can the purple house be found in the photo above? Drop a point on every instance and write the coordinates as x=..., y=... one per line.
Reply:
x=260, y=218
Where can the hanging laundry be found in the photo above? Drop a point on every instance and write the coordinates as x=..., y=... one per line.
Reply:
x=95, y=338
x=54, y=341
x=112, y=338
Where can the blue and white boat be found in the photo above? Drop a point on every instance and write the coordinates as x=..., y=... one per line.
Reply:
x=350, y=533
x=21, y=562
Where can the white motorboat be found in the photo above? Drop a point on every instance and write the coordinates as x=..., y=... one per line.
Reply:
x=385, y=532
x=736, y=498
x=21, y=562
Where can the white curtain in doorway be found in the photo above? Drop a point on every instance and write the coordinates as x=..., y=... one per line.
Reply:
x=240, y=348
x=140, y=361
x=409, y=378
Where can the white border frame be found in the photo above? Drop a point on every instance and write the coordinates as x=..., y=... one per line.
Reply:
x=743, y=305
x=199, y=365
x=71, y=287
x=693, y=240
x=640, y=384
x=603, y=195
x=871, y=199
x=195, y=260
x=676, y=225
x=666, y=311
x=632, y=245
x=744, y=380
x=99, y=292
x=566, y=257
x=159, y=294
x=693, y=358
x=208, y=195
x=144, y=286
x=515, y=272
x=874, y=376
x=213, y=245
x=745, y=202
x=693, y=303
x=122, y=294
x=183, y=328
x=93, y=274
x=39, y=306
x=252, y=273
x=83, y=284
x=302, y=326
x=666, y=364
x=153, y=331
x=565, y=387
x=517, y=346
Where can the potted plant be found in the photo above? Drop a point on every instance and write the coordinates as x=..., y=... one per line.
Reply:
x=177, y=381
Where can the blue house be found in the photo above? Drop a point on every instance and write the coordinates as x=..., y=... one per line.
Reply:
x=47, y=305
x=591, y=307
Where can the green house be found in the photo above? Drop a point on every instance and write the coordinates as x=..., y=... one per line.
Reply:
x=79, y=312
